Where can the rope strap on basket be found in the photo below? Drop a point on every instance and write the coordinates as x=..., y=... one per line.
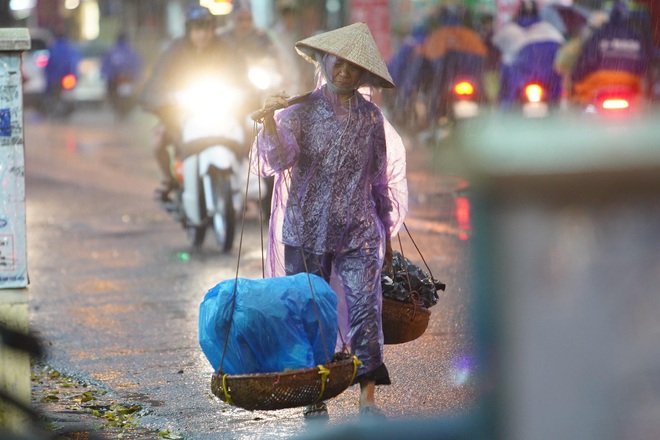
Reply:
x=356, y=364
x=324, y=372
x=224, y=389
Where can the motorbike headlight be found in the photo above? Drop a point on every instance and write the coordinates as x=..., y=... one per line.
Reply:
x=210, y=96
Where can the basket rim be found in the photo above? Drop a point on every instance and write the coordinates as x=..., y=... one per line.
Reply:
x=285, y=373
x=409, y=304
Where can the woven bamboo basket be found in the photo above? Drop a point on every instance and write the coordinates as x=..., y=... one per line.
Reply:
x=403, y=321
x=288, y=389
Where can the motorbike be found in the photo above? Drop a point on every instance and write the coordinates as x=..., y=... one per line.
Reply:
x=121, y=94
x=461, y=100
x=212, y=168
x=465, y=99
x=454, y=95
x=534, y=88
x=57, y=102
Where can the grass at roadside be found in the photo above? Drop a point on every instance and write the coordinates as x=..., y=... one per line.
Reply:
x=72, y=409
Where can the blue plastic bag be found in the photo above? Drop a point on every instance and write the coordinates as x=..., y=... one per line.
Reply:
x=275, y=324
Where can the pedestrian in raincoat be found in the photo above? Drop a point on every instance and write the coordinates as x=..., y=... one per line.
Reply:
x=340, y=190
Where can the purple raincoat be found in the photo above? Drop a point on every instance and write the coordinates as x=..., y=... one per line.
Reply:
x=340, y=189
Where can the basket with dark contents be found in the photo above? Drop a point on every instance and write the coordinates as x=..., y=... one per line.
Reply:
x=408, y=293
x=287, y=389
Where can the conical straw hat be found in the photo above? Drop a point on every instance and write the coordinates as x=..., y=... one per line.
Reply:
x=353, y=43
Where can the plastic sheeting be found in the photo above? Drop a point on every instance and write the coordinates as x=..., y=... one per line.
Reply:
x=274, y=324
x=405, y=277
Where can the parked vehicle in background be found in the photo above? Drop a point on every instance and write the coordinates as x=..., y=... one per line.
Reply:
x=34, y=62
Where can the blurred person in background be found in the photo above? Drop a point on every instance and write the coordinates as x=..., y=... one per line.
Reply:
x=568, y=53
x=121, y=67
x=265, y=67
x=444, y=47
x=243, y=35
x=63, y=62
x=616, y=54
x=284, y=33
x=198, y=53
x=64, y=58
x=486, y=29
x=528, y=46
x=453, y=48
x=408, y=68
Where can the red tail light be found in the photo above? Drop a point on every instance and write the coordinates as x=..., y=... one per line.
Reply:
x=615, y=99
x=69, y=81
x=463, y=217
x=534, y=93
x=41, y=61
x=615, y=104
x=464, y=89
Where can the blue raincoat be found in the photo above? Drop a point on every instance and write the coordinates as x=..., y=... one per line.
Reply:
x=63, y=60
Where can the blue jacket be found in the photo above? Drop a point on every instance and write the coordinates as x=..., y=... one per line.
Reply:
x=534, y=64
x=63, y=59
x=121, y=59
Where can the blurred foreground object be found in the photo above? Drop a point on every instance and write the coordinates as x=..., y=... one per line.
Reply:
x=567, y=268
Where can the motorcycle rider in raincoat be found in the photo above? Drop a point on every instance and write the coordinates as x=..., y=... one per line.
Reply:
x=528, y=46
x=616, y=54
x=453, y=50
x=199, y=53
x=120, y=63
x=64, y=59
x=340, y=190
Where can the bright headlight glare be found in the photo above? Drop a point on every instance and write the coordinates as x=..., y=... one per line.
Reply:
x=209, y=96
x=259, y=77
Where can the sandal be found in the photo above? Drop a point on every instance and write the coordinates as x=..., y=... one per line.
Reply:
x=372, y=413
x=316, y=411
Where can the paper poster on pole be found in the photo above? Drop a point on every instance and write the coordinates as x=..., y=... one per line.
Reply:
x=13, y=258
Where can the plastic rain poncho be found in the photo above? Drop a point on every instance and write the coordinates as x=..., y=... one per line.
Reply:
x=340, y=190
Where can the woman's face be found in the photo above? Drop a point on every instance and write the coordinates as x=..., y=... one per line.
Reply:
x=346, y=75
